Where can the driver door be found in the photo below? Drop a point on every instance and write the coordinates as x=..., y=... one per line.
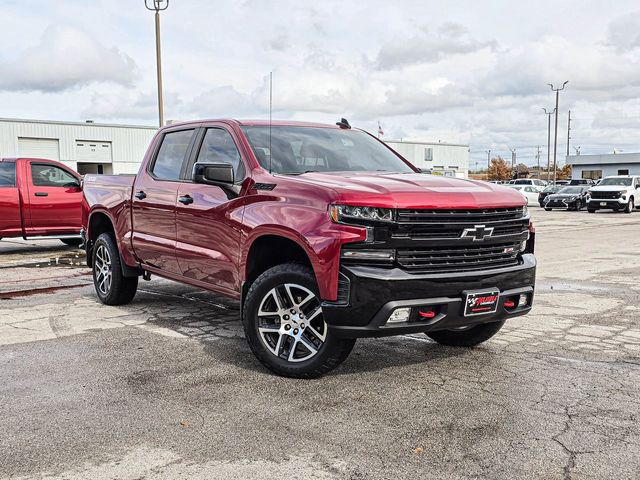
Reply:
x=54, y=199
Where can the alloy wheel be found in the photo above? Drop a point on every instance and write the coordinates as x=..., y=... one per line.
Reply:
x=103, y=270
x=290, y=322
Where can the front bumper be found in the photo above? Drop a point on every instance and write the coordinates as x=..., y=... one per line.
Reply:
x=606, y=204
x=376, y=292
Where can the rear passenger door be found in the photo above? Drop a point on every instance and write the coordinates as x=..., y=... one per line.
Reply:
x=208, y=217
x=154, y=201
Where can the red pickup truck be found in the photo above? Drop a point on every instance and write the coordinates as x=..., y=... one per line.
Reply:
x=40, y=199
x=323, y=233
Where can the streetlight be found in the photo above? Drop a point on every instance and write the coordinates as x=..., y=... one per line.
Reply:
x=555, y=133
x=548, y=140
x=158, y=6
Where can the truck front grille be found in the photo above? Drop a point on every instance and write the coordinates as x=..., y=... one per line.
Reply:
x=605, y=195
x=449, y=224
x=450, y=259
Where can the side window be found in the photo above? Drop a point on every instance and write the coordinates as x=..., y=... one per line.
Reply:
x=7, y=174
x=44, y=175
x=218, y=147
x=171, y=155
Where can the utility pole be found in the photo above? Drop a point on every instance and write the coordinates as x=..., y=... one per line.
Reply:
x=158, y=6
x=548, y=114
x=555, y=132
x=488, y=162
x=538, y=157
x=513, y=162
x=568, y=132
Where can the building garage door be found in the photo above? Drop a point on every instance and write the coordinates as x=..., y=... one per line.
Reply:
x=39, y=148
x=93, y=152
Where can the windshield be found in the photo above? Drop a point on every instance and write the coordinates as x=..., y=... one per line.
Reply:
x=622, y=182
x=552, y=189
x=313, y=149
x=571, y=190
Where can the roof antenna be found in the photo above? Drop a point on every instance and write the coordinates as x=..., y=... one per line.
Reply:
x=270, y=112
x=344, y=124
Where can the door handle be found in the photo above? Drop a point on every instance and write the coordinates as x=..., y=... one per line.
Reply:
x=186, y=200
x=41, y=194
x=140, y=195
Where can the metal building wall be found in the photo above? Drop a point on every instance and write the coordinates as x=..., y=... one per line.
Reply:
x=445, y=156
x=129, y=142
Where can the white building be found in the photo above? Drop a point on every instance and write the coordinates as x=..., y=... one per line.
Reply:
x=86, y=147
x=600, y=166
x=447, y=159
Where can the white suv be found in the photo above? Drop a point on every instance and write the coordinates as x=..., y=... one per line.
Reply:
x=615, y=193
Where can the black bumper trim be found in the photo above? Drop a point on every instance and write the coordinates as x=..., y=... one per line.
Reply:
x=449, y=316
x=375, y=292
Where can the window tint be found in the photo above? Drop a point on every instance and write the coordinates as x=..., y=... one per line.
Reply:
x=171, y=155
x=51, y=176
x=218, y=147
x=7, y=174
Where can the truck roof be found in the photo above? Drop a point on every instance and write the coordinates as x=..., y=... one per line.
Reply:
x=256, y=123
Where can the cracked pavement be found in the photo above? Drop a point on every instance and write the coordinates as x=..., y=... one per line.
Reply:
x=166, y=387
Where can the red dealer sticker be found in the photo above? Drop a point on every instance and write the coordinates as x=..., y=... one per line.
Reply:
x=478, y=303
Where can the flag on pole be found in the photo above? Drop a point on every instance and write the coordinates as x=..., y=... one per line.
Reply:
x=380, y=132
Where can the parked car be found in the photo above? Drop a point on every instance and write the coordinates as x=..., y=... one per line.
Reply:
x=40, y=199
x=529, y=191
x=561, y=182
x=323, y=233
x=549, y=189
x=621, y=192
x=528, y=181
x=581, y=181
x=571, y=197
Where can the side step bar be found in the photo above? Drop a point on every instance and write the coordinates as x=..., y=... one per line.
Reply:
x=53, y=237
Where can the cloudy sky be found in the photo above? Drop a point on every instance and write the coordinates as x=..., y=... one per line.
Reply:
x=471, y=72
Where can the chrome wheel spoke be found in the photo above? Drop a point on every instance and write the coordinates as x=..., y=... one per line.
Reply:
x=320, y=336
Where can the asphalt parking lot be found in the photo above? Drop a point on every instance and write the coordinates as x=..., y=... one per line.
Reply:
x=166, y=387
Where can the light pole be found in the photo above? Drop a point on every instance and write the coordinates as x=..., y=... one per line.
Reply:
x=158, y=6
x=488, y=162
x=548, y=139
x=555, y=132
x=513, y=162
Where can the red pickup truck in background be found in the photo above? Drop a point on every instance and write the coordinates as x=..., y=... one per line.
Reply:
x=323, y=233
x=40, y=199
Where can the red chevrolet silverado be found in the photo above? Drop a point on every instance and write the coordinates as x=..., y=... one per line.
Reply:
x=39, y=199
x=322, y=232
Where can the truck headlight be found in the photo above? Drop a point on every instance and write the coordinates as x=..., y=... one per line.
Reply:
x=359, y=214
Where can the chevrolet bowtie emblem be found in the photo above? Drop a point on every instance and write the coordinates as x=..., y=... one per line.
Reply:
x=477, y=233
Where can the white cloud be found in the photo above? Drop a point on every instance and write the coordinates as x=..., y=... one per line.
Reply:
x=623, y=33
x=66, y=58
x=429, y=46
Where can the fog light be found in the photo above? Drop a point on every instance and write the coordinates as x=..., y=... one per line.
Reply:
x=524, y=300
x=399, y=315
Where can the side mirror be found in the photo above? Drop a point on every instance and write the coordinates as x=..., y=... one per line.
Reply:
x=220, y=174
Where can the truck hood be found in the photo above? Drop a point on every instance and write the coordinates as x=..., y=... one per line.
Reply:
x=414, y=190
x=609, y=188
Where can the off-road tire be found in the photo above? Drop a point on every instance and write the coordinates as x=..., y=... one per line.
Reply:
x=72, y=242
x=466, y=338
x=329, y=355
x=122, y=289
